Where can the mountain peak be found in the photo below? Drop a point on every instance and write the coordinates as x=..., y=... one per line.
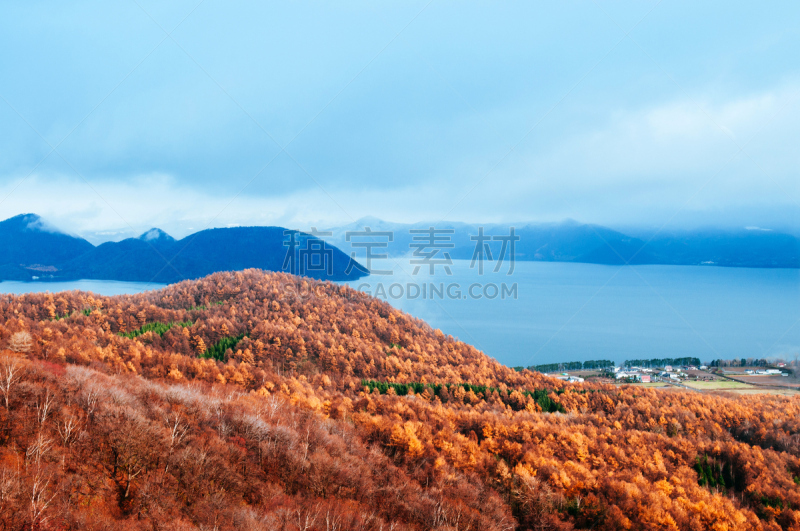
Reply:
x=156, y=234
x=28, y=222
x=23, y=220
x=366, y=220
x=27, y=217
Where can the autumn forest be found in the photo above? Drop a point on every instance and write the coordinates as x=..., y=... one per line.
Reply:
x=261, y=401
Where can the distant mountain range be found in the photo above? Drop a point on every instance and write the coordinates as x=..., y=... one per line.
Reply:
x=34, y=251
x=571, y=241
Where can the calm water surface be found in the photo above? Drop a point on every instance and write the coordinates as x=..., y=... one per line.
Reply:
x=566, y=312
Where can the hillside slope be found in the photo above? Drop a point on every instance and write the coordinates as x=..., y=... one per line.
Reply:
x=30, y=248
x=251, y=400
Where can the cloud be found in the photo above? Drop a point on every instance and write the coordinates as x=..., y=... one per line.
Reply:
x=106, y=210
x=420, y=128
x=699, y=153
x=639, y=166
x=679, y=139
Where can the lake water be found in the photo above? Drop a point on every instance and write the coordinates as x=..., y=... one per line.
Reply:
x=577, y=312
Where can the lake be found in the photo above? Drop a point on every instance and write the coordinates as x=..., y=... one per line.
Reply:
x=577, y=312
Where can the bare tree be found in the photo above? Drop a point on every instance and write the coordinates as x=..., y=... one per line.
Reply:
x=536, y=500
x=333, y=522
x=67, y=429
x=177, y=433
x=90, y=400
x=306, y=518
x=10, y=369
x=43, y=407
x=177, y=430
x=272, y=406
x=40, y=446
x=21, y=342
x=40, y=500
x=9, y=488
x=133, y=445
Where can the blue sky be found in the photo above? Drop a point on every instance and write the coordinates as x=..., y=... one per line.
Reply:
x=119, y=116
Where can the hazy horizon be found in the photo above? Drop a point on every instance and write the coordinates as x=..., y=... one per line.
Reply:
x=99, y=235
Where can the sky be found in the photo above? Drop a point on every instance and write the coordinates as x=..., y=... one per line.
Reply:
x=120, y=116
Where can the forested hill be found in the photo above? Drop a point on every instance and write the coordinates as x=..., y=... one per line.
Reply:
x=33, y=251
x=253, y=400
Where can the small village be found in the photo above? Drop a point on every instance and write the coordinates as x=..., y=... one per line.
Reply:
x=778, y=377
